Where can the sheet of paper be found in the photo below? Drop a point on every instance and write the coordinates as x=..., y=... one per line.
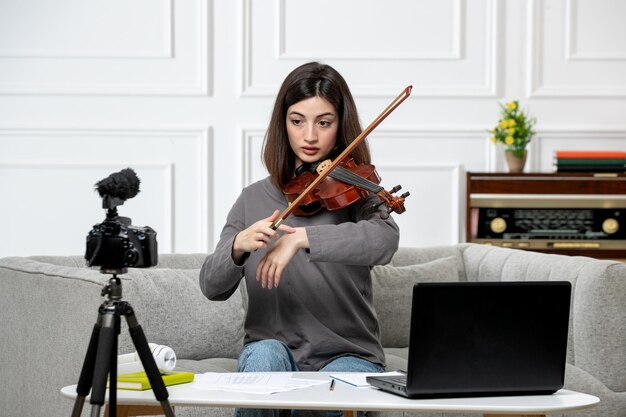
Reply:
x=252, y=382
x=358, y=379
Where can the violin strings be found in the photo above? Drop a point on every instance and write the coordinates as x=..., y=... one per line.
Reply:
x=345, y=175
x=355, y=179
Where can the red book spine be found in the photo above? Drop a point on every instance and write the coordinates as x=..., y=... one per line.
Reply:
x=590, y=154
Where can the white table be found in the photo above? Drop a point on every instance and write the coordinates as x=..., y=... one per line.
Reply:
x=350, y=399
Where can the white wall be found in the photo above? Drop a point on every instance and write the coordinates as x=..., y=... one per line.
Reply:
x=181, y=90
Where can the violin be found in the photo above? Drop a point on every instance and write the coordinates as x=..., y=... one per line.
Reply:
x=346, y=184
x=339, y=183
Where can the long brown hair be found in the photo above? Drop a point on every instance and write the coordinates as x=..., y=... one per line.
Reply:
x=310, y=80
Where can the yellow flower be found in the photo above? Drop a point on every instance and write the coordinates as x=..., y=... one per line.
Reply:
x=514, y=128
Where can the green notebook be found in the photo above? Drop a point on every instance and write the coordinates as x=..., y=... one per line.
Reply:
x=139, y=380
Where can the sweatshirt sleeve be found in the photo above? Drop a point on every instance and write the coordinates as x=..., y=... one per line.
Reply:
x=219, y=275
x=369, y=240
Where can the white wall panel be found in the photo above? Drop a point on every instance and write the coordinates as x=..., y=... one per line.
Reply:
x=443, y=21
x=88, y=88
x=148, y=47
x=586, y=39
x=444, y=48
x=252, y=156
x=577, y=48
x=112, y=29
x=47, y=179
x=433, y=210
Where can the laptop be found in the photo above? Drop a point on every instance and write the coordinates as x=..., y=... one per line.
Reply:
x=484, y=339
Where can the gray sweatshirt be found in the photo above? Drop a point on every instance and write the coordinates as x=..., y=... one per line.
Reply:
x=323, y=307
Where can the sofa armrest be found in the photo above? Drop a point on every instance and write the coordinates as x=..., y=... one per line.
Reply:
x=48, y=313
x=597, y=336
x=599, y=314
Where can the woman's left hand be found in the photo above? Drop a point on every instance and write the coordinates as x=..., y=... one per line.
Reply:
x=273, y=263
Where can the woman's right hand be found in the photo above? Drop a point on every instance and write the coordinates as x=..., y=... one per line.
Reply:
x=257, y=236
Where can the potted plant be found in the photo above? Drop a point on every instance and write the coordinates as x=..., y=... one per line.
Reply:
x=515, y=131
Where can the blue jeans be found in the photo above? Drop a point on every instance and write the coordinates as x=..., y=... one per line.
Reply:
x=274, y=356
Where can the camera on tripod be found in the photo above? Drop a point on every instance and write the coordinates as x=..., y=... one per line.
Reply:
x=115, y=244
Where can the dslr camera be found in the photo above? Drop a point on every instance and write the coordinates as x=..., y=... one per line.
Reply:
x=115, y=244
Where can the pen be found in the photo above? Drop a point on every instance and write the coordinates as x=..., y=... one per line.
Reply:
x=332, y=385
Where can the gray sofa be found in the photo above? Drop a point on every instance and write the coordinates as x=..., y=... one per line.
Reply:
x=50, y=304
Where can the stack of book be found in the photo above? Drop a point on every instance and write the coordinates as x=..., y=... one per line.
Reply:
x=590, y=161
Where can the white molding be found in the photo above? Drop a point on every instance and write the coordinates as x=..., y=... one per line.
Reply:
x=489, y=88
x=478, y=133
x=203, y=141
x=246, y=54
x=534, y=33
x=205, y=48
x=491, y=152
x=456, y=193
x=571, y=40
x=166, y=51
x=455, y=53
x=578, y=91
x=247, y=136
x=167, y=175
x=98, y=130
x=580, y=135
x=583, y=131
x=535, y=84
x=207, y=196
x=201, y=85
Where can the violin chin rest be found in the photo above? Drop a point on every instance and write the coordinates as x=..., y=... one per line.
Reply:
x=302, y=169
x=308, y=209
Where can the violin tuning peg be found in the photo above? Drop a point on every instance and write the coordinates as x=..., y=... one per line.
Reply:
x=395, y=189
x=405, y=195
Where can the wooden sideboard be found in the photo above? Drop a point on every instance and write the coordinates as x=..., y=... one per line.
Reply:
x=565, y=213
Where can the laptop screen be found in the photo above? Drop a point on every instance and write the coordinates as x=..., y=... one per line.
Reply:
x=489, y=337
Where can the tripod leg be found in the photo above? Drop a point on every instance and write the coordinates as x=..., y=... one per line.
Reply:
x=86, y=373
x=103, y=363
x=113, y=369
x=147, y=360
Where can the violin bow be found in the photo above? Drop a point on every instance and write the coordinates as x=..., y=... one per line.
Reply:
x=321, y=176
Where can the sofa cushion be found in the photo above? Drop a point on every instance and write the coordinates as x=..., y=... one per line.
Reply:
x=173, y=311
x=396, y=359
x=393, y=291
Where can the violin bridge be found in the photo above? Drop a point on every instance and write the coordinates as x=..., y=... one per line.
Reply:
x=322, y=166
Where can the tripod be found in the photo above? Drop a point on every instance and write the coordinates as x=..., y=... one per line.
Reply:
x=101, y=358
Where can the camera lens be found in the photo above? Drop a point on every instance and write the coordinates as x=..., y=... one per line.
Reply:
x=131, y=256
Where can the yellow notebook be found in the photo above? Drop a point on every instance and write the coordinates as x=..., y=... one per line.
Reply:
x=139, y=380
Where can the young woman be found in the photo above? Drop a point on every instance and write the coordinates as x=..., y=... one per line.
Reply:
x=309, y=285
